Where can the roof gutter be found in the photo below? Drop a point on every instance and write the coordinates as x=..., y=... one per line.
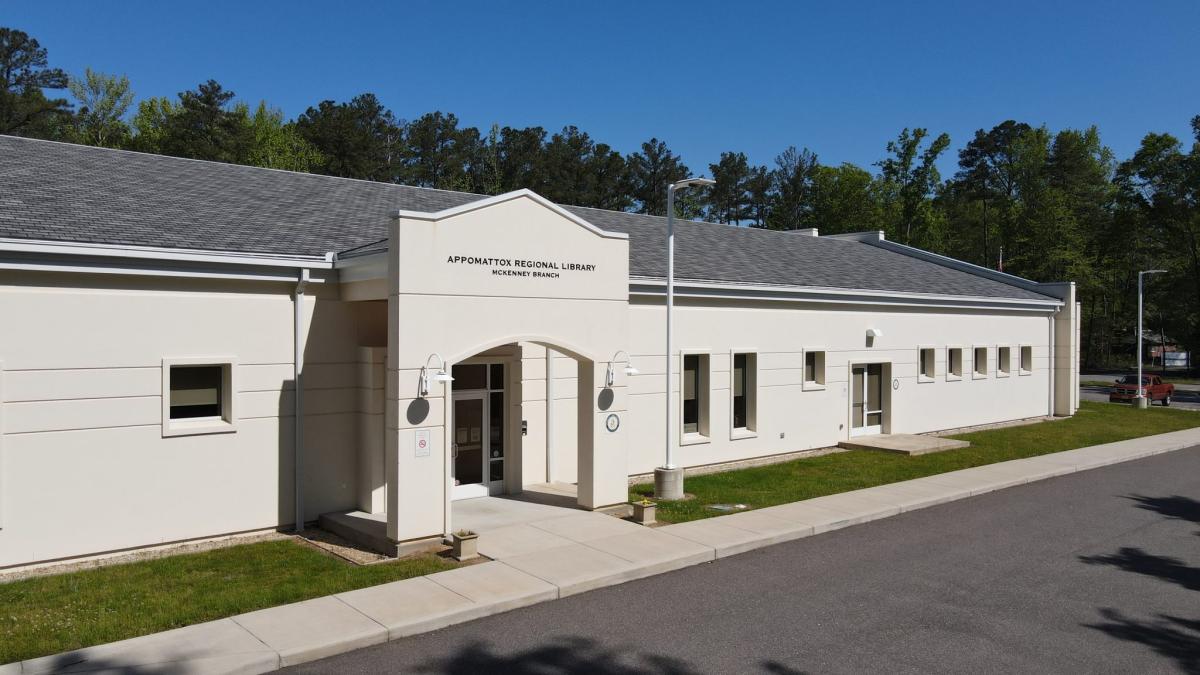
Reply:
x=36, y=246
x=48, y=256
x=646, y=286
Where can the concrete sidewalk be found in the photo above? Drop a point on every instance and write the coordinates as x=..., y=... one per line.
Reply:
x=545, y=560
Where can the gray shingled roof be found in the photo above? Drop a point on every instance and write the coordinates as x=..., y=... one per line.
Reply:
x=63, y=192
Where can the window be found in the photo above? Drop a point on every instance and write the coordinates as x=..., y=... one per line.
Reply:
x=196, y=392
x=469, y=376
x=745, y=392
x=926, y=364
x=198, y=396
x=814, y=369
x=980, y=362
x=954, y=363
x=1026, y=359
x=1003, y=361
x=695, y=397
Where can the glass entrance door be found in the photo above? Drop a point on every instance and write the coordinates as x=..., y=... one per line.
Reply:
x=478, y=430
x=469, y=448
x=866, y=399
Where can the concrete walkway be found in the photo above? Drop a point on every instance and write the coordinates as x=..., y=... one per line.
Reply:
x=542, y=559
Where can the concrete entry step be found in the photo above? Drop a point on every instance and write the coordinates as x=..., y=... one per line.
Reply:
x=369, y=530
x=905, y=444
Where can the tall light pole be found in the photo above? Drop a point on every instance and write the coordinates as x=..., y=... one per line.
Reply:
x=668, y=479
x=1140, y=401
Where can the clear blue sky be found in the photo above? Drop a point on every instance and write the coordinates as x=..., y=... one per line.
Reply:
x=840, y=78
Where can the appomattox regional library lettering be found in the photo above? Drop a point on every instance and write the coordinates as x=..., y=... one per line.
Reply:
x=517, y=267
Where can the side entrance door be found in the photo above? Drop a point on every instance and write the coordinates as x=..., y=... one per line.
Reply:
x=469, y=449
x=866, y=399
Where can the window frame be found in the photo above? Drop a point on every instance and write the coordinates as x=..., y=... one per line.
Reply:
x=226, y=423
x=952, y=376
x=921, y=376
x=751, y=428
x=703, y=433
x=1021, y=369
x=975, y=374
x=820, y=368
x=1004, y=363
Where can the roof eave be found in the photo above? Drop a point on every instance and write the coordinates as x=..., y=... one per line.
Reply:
x=858, y=296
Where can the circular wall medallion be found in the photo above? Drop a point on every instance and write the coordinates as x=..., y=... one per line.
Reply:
x=895, y=384
x=612, y=422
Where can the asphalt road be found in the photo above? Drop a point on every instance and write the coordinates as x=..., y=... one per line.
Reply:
x=1092, y=572
x=1186, y=399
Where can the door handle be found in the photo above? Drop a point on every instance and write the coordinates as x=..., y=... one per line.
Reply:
x=454, y=451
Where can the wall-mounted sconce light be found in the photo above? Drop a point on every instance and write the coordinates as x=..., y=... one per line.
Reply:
x=874, y=333
x=440, y=376
x=629, y=369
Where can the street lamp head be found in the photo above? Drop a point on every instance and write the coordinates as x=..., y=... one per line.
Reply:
x=1154, y=272
x=692, y=182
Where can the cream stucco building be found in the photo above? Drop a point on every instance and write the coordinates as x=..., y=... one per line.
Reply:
x=182, y=343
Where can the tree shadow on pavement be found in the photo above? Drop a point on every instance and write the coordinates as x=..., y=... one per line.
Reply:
x=1176, y=507
x=1169, y=636
x=1132, y=559
x=777, y=668
x=564, y=655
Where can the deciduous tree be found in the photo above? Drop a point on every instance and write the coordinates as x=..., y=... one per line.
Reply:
x=102, y=102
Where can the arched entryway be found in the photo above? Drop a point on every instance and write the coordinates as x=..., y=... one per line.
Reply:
x=472, y=280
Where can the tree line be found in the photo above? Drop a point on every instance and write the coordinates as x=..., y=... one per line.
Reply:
x=1043, y=204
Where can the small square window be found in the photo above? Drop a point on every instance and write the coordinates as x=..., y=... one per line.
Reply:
x=1026, y=359
x=1003, y=361
x=980, y=364
x=197, y=392
x=198, y=396
x=814, y=369
x=954, y=363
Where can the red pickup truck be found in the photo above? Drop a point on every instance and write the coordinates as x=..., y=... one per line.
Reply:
x=1125, y=389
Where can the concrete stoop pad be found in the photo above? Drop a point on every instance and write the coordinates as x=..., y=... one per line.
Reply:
x=545, y=560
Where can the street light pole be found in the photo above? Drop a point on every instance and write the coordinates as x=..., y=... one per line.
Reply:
x=668, y=479
x=1140, y=401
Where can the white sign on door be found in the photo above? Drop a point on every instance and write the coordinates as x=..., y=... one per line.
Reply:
x=422, y=443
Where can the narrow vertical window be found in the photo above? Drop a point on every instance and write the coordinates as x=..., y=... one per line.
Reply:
x=694, y=399
x=814, y=369
x=981, y=361
x=927, y=367
x=1026, y=359
x=691, y=394
x=1003, y=361
x=744, y=392
x=953, y=363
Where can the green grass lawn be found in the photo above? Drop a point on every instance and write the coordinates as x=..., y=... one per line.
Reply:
x=1095, y=423
x=47, y=615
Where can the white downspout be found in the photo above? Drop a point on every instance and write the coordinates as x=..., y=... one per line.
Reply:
x=297, y=381
x=549, y=415
x=1053, y=317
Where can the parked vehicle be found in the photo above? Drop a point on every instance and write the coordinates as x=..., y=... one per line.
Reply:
x=1125, y=389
